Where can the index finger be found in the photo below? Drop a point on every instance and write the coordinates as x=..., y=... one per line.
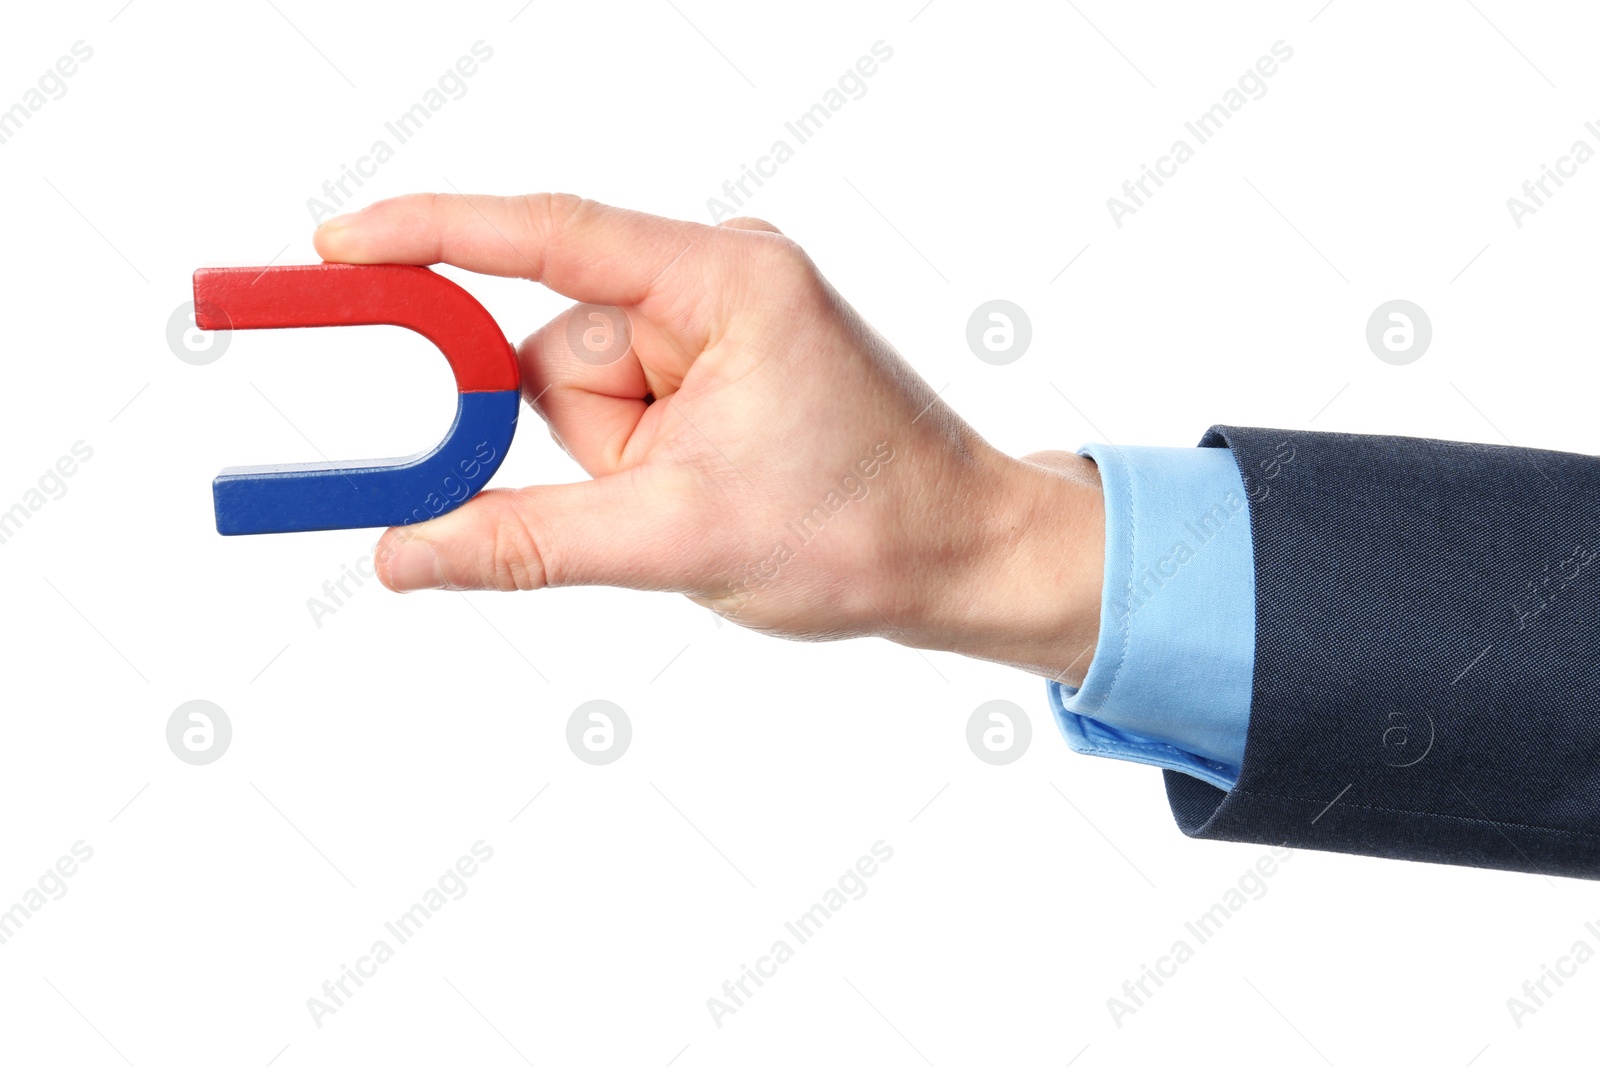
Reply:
x=582, y=249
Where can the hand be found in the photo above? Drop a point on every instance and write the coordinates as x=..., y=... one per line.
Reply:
x=758, y=447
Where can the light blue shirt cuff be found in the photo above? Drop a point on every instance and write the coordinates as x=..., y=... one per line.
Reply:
x=1170, y=681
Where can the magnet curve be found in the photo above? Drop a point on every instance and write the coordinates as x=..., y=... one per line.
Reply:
x=290, y=497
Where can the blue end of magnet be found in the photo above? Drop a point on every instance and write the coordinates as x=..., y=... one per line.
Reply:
x=294, y=497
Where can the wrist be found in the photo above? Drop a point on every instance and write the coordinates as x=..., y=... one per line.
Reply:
x=1024, y=586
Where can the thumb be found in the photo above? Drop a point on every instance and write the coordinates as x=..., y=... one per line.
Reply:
x=608, y=531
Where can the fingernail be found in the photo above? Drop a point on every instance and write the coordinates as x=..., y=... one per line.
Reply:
x=337, y=222
x=415, y=565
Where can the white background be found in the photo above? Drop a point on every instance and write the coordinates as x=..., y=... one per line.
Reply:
x=371, y=751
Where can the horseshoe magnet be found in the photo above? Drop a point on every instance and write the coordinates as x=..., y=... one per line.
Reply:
x=288, y=497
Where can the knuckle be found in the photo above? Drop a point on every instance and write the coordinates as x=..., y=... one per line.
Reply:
x=749, y=222
x=780, y=258
x=554, y=212
x=514, y=554
x=551, y=215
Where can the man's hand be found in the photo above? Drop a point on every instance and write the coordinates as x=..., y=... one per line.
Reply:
x=752, y=444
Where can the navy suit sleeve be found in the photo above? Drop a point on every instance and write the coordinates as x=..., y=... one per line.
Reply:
x=1425, y=682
